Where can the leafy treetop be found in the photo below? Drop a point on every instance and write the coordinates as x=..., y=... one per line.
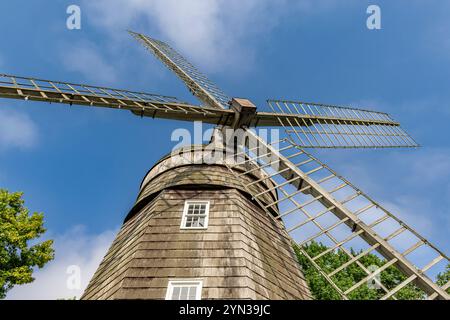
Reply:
x=345, y=279
x=17, y=228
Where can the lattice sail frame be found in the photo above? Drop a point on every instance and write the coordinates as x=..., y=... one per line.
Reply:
x=317, y=204
x=140, y=103
x=198, y=83
x=312, y=125
x=293, y=179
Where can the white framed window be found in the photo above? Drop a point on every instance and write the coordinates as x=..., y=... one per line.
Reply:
x=195, y=215
x=184, y=290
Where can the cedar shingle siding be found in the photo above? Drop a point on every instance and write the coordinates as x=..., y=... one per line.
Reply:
x=243, y=254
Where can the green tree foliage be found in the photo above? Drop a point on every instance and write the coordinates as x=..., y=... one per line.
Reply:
x=17, y=229
x=444, y=277
x=346, y=278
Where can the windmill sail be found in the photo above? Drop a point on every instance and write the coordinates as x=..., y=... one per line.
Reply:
x=324, y=214
x=312, y=125
x=313, y=202
x=316, y=204
x=198, y=83
x=140, y=103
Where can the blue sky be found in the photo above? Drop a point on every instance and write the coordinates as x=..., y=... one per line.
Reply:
x=82, y=167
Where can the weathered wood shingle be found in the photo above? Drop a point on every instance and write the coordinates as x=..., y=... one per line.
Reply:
x=243, y=254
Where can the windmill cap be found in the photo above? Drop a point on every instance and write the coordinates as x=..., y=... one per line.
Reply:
x=205, y=154
x=199, y=166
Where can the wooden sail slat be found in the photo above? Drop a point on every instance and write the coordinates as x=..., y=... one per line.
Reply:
x=79, y=94
x=284, y=174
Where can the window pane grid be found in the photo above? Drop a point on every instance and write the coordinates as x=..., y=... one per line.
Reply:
x=184, y=290
x=195, y=215
x=192, y=293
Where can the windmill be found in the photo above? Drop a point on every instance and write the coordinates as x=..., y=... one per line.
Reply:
x=285, y=194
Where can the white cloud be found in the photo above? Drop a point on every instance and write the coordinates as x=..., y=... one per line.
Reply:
x=16, y=130
x=75, y=247
x=208, y=31
x=430, y=165
x=215, y=34
x=414, y=184
x=85, y=59
x=409, y=209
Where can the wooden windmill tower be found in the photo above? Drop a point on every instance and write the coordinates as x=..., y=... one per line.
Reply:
x=207, y=225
